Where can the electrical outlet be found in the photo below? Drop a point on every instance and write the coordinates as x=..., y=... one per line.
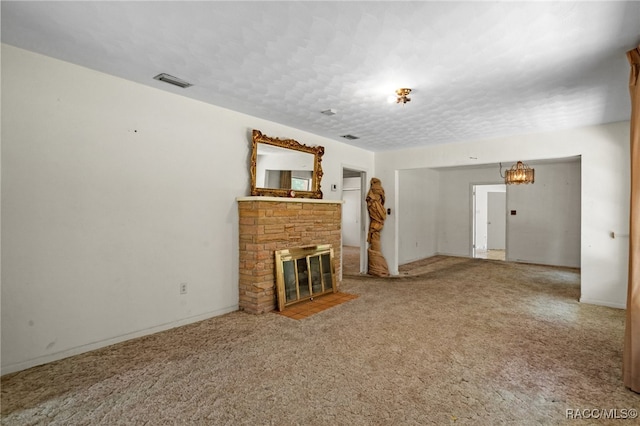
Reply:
x=183, y=288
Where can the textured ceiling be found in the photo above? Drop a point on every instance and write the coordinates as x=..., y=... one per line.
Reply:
x=477, y=69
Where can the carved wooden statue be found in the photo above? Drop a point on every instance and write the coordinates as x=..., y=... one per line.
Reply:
x=377, y=215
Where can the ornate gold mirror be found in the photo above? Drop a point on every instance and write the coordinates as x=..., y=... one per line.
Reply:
x=285, y=168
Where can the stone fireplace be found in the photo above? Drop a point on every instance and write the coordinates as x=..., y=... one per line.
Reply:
x=268, y=224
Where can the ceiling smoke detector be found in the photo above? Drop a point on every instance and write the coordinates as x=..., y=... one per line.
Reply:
x=172, y=80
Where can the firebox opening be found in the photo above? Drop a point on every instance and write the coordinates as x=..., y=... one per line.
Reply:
x=303, y=273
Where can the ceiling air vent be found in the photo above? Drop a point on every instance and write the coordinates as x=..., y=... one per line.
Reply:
x=350, y=137
x=172, y=80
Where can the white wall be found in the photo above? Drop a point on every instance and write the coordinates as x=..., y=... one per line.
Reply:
x=455, y=225
x=546, y=226
x=114, y=193
x=604, y=196
x=417, y=214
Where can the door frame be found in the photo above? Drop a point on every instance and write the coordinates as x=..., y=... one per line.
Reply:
x=364, y=215
x=472, y=214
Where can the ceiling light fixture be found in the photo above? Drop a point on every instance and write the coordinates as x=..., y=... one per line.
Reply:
x=518, y=173
x=172, y=80
x=403, y=95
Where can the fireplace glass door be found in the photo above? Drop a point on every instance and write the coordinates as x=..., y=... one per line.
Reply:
x=304, y=273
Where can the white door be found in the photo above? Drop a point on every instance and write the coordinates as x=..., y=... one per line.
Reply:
x=351, y=216
x=496, y=220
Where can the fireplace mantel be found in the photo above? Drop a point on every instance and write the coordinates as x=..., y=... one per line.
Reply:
x=268, y=224
x=288, y=200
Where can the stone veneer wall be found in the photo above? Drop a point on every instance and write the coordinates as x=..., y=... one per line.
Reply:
x=268, y=224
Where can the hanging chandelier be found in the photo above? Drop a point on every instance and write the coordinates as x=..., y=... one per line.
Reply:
x=518, y=173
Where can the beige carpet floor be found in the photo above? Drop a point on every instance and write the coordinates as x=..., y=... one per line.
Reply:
x=465, y=341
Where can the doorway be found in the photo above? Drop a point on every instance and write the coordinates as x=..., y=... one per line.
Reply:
x=489, y=221
x=354, y=221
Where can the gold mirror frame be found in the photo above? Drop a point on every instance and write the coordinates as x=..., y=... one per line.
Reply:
x=317, y=151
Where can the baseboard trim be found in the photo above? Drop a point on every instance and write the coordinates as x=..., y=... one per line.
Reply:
x=23, y=365
x=603, y=303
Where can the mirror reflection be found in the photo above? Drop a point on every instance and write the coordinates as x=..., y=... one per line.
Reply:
x=282, y=168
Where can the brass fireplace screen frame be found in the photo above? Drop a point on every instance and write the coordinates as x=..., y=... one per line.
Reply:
x=303, y=273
